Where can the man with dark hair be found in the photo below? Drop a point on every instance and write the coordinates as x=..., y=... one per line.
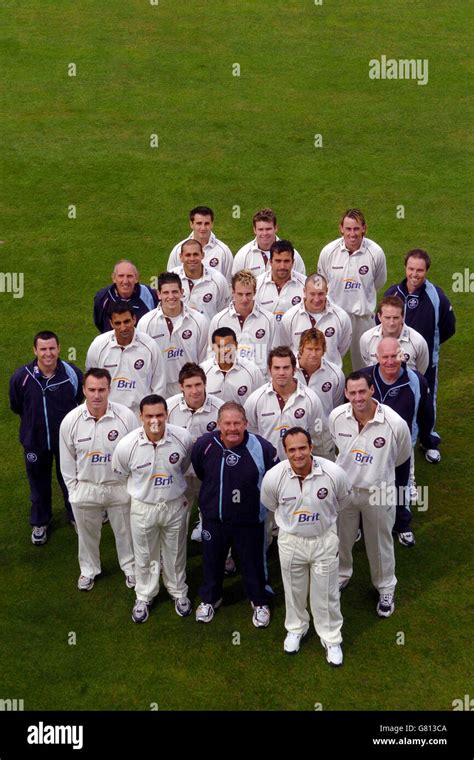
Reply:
x=196, y=411
x=354, y=268
x=281, y=287
x=42, y=393
x=180, y=333
x=317, y=310
x=132, y=357
x=230, y=462
x=306, y=493
x=374, y=445
x=153, y=460
x=413, y=345
x=125, y=287
x=254, y=256
x=284, y=402
x=427, y=310
x=88, y=437
x=205, y=289
x=217, y=255
x=229, y=377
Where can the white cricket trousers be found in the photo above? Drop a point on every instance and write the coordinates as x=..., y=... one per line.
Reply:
x=88, y=500
x=360, y=325
x=311, y=564
x=159, y=534
x=377, y=522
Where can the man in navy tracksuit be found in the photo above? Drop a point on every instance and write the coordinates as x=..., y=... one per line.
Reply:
x=125, y=287
x=407, y=392
x=429, y=311
x=42, y=393
x=231, y=463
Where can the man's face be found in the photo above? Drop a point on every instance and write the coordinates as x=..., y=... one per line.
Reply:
x=281, y=265
x=153, y=417
x=47, y=353
x=125, y=278
x=315, y=296
x=389, y=356
x=192, y=258
x=265, y=232
x=281, y=371
x=415, y=271
x=391, y=319
x=353, y=232
x=243, y=297
x=232, y=426
x=124, y=327
x=96, y=392
x=171, y=295
x=359, y=394
x=311, y=355
x=201, y=227
x=194, y=391
x=298, y=451
x=224, y=349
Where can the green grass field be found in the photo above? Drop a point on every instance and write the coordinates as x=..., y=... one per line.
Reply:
x=229, y=141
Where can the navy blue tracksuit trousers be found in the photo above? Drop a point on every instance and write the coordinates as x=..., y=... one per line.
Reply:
x=39, y=468
x=248, y=543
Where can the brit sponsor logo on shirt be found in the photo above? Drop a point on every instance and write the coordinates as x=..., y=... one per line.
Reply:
x=99, y=457
x=305, y=517
x=161, y=479
x=124, y=383
x=351, y=284
x=172, y=352
x=362, y=457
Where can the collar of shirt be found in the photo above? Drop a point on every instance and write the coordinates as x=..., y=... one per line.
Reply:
x=114, y=343
x=378, y=417
x=256, y=249
x=88, y=416
x=206, y=275
x=117, y=297
x=316, y=471
x=362, y=248
x=184, y=407
x=299, y=390
x=215, y=366
x=143, y=439
x=233, y=313
x=209, y=245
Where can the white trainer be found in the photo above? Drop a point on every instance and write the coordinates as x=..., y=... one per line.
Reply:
x=334, y=654
x=196, y=533
x=386, y=605
x=84, y=583
x=292, y=642
x=261, y=616
x=205, y=612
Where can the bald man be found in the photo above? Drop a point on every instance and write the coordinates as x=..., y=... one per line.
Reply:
x=125, y=287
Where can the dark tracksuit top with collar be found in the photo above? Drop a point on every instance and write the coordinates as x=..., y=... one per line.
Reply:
x=42, y=403
x=411, y=398
x=143, y=300
x=231, y=478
